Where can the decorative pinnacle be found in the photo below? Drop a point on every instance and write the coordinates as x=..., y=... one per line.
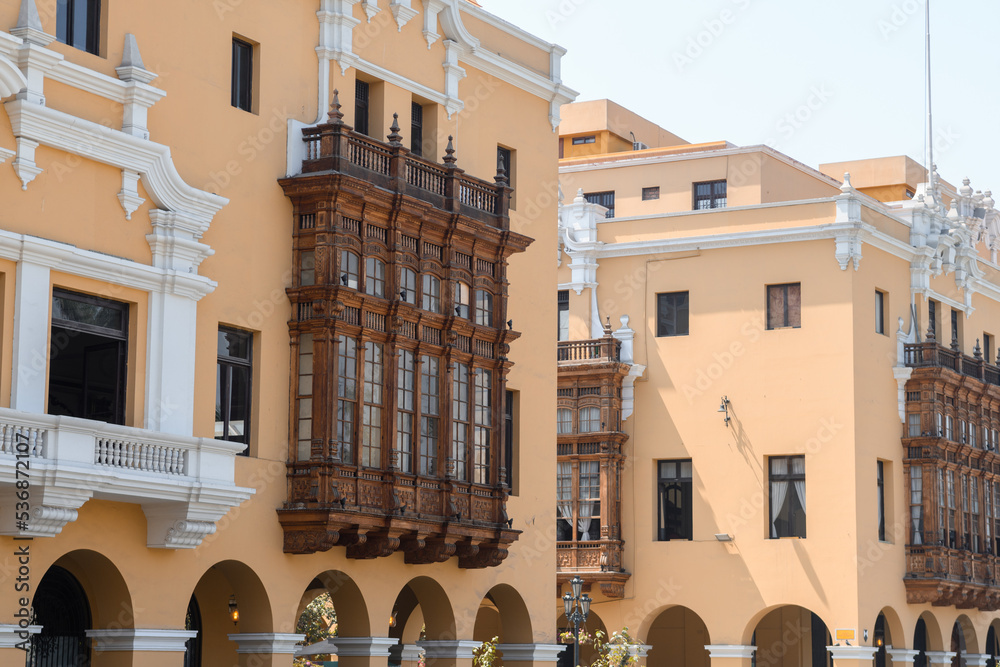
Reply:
x=501, y=177
x=978, y=351
x=27, y=16
x=930, y=332
x=449, y=157
x=846, y=185
x=395, y=138
x=335, y=115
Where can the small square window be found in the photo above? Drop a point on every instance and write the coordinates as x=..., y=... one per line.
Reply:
x=651, y=193
x=605, y=199
x=672, y=314
x=242, y=81
x=784, y=306
x=709, y=194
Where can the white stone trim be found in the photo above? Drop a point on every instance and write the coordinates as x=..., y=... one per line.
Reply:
x=402, y=12
x=12, y=81
x=143, y=640
x=364, y=646
x=531, y=652
x=901, y=656
x=266, y=643
x=852, y=652
x=941, y=658
x=458, y=649
x=975, y=659
x=410, y=652
x=30, y=355
x=10, y=634
x=730, y=651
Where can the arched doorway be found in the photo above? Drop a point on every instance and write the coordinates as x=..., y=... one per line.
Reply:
x=192, y=622
x=587, y=653
x=331, y=606
x=503, y=614
x=992, y=644
x=61, y=607
x=791, y=636
x=678, y=637
x=229, y=599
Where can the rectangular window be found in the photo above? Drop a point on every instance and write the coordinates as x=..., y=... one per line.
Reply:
x=78, y=24
x=672, y=314
x=949, y=427
x=305, y=393
x=932, y=325
x=590, y=420
x=879, y=312
x=347, y=396
x=460, y=296
x=954, y=327
x=350, y=276
x=232, y=387
x=483, y=421
x=579, y=141
x=242, y=80
x=362, y=98
x=674, y=491
x=988, y=348
x=371, y=417
x=787, y=481
x=588, y=517
x=508, y=438
x=430, y=414
x=460, y=421
x=416, y=129
x=975, y=543
x=431, y=293
x=564, y=501
x=484, y=308
x=913, y=425
x=605, y=199
x=564, y=421
x=375, y=277
x=307, y=268
x=88, y=357
x=784, y=306
x=508, y=158
x=408, y=285
x=649, y=194
x=916, y=506
x=709, y=194
x=950, y=512
x=880, y=482
x=563, y=310
x=405, y=409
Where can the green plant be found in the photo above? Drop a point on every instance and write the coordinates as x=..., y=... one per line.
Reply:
x=317, y=622
x=614, y=651
x=486, y=655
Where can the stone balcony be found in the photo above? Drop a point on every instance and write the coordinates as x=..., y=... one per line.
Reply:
x=184, y=484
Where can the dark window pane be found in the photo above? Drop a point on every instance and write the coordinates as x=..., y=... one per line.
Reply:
x=674, y=507
x=605, y=199
x=242, y=84
x=233, y=386
x=416, y=129
x=709, y=194
x=672, y=314
x=361, y=101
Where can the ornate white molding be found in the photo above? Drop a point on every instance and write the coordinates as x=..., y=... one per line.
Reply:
x=902, y=656
x=12, y=81
x=531, y=652
x=730, y=651
x=976, y=659
x=864, y=653
x=456, y=649
x=370, y=8
x=10, y=635
x=941, y=658
x=143, y=640
x=402, y=12
x=266, y=643
x=363, y=647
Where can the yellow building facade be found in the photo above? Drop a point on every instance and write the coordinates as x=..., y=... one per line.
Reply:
x=800, y=447
x=189, y=347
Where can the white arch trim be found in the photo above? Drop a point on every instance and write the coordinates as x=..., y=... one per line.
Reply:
x=12, y=81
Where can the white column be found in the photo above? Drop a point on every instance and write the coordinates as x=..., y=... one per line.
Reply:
x=456, y=652
x=852, y=656
x=145, y=640
x=31, y=337
x=730, y=655
x=902, y=657
x=363, y=651
x=170, y=357
x=975, y=659
x=939, y=658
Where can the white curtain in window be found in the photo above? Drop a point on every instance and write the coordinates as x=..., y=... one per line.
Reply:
x=564, y=492
x=799, y=468
x=778, y=492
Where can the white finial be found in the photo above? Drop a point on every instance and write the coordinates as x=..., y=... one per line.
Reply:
x=965, y=190
x=846, y=186
x=132, y=67
x=29, y=25
x=953, y=210
x=988, y=199
x=579, y=199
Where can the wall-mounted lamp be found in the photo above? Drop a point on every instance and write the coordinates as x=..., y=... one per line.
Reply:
x=864, y=634
x=392, y=619
x=724, y=408
x=724, y=537
x=234, y=611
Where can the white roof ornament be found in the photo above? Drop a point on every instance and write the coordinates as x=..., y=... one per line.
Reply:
x=965, y=190
x=988, y=199
x=953, y=211
x=29, y=25
x=579, y=199
x=846, y=187
x=132, y=67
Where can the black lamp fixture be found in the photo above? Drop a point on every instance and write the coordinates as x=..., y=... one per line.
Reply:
x=724, y=408
x=234, y=610
x=577, y=608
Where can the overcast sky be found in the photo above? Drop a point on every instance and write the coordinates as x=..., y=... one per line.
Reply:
x=822, y=81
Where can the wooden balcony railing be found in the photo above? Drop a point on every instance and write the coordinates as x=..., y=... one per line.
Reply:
x=931, y=354
x=335, y=146
x=595, y=350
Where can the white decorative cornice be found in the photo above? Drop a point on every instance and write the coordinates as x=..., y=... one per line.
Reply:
x=942, y=658
x=11, y=635
x=531, y=652
x=143, y=640
x=370, y=8
x=29, y=25
x=402, y=12
x=12, y=81
x=457, y=649
x=864, y=653
x=903, y=656
x=364, y=647
x=730, y=651
x=266, y=643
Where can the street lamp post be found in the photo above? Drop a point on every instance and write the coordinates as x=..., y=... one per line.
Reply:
x=577, y=609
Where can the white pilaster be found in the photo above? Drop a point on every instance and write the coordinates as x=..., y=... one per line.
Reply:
x=457, y=649
x=11, y=635
x=31, y=335
x=939, y=658
x=170, y=356
x=901, y=657
x=730, y=651
x=143, y=640
x=975, y=659
x=858, y=653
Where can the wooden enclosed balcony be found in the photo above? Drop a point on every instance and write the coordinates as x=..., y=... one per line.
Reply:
x=598, y=350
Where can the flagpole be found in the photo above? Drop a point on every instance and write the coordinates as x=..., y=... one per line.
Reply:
x=927, y=74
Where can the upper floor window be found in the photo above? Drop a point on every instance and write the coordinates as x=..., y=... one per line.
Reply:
x=674, y=490
x=431, y=293
x=880, y=311
x=507, y=158
x=484, y=308
x=784, y=306
x=932, y=310
x=307, y=268
x=362, y=96
x=787, y=481
x=78, y=23
x=578, y=505
x=88, y=357
x=955, y=332
x=233, y=385
x=649, y=194
x=590, y=420
x=672, y=314
x=605, y=199
x=408, y=285
x=461, y=298
x=564, y=421
x=578, y=141
x=709, y=194
x=349, y=269
x=375, y=277
x=242, y=79
x=416, y=129
x=563, y=324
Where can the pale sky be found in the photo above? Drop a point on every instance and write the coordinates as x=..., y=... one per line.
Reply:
x=821, y=81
